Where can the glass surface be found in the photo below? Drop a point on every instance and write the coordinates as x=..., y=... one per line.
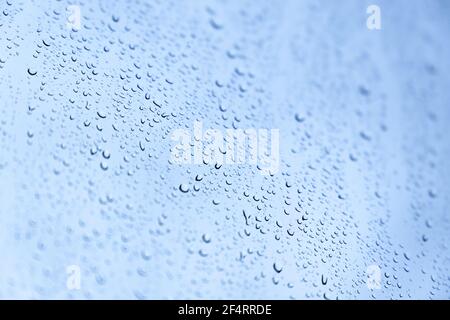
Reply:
x=98, y=100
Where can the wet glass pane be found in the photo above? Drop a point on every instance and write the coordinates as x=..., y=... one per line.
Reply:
x=224, y=149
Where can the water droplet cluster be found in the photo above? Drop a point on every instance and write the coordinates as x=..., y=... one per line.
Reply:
x=86, y=176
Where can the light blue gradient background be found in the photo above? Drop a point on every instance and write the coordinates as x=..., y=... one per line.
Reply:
x=364, y=176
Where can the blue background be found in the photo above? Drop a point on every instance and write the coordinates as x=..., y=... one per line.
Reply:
x=85, y=172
